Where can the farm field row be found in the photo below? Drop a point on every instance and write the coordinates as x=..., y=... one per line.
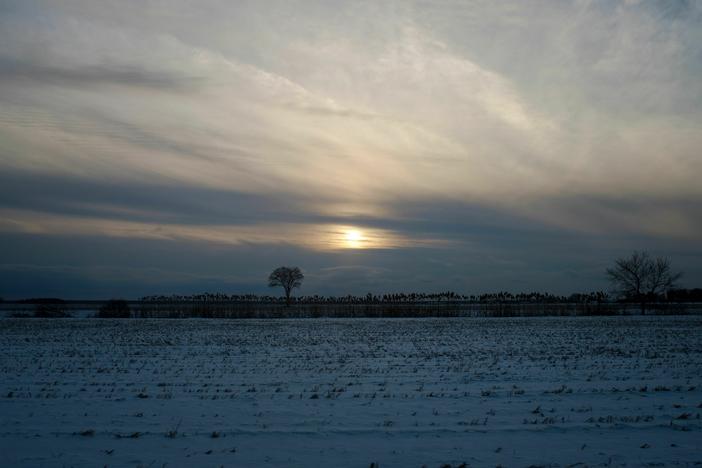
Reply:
x=348, y=392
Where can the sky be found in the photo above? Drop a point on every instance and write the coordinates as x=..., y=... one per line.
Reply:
x=158, y=147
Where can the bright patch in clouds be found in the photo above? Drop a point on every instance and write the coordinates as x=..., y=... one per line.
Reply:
x=353, y=235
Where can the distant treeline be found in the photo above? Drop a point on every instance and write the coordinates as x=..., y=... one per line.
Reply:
x=597, y=297
x=445, y=304
x=685, y=295
x=41, y=300
x=394, y=298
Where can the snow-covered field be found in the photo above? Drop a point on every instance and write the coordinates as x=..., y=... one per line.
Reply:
x=349, y=392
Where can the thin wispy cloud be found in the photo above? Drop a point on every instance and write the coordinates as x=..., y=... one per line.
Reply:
x=295, y=123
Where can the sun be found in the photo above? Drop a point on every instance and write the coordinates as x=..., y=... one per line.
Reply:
x=354, y=239
x=353, y=235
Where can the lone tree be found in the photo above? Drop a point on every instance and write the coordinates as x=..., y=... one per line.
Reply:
x=642, y=278
x=288, y=278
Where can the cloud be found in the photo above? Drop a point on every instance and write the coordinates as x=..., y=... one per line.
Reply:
x=92, y=75
x=311, y=236
x=461, y=124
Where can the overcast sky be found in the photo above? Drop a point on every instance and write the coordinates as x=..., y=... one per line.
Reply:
x=178, y=147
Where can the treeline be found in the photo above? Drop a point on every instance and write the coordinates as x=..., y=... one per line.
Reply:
x=445, y=304
x=393, y=298
x=685, y=295
x=42, y=300
x=595, y=297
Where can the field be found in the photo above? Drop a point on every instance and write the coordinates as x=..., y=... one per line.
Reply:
x=603, y=391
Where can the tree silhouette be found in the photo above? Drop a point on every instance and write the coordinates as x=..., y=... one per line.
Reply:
x=641, y=277
x=288, y=278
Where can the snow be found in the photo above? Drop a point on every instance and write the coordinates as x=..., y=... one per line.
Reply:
x=348, y=392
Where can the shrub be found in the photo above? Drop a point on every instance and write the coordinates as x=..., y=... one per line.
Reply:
x=50, y=311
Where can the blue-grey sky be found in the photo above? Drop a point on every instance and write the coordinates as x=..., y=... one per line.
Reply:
x=177, y=147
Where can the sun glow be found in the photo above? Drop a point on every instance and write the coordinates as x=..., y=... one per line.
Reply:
x=354, y=239
x=354, y=236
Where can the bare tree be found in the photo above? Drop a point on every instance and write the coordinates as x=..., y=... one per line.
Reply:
x=288, y=278
x=641, y=277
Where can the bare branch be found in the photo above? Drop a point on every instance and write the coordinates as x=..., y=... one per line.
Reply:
x=641, y=277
